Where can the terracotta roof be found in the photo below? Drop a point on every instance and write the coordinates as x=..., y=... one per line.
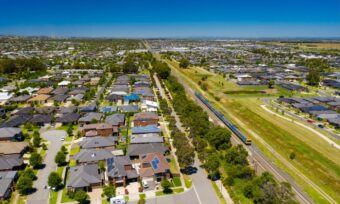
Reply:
x=45, y=90
x=40, y=97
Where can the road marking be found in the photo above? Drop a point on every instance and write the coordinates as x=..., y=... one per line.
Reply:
x=199, y=200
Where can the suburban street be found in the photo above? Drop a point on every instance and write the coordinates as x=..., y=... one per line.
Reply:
x=41, y=195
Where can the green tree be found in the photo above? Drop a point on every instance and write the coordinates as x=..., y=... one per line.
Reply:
x=36, y=140
x=219, y=137
x=24, y=185
x=109, y=191
x=271, y=84
x=313, y=76
x=184, y=63
x=285, y=193
x=185, y=155
x=29, y=173
x=166, y=186
x=81, y=196
x=60, y=158
x=212, y=165
x=54, y=180
x=35, y=160
x=237, y=155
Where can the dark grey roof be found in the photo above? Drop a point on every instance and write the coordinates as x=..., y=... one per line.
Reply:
x=114, y=97
x=83, y=176
x=118, y=168
x=59, y=98
x=9, y=132
x=6, y=180
x=97, y=142
x=8, y=162
x=138, y=149
x=26, y=110
x=92, y=155
x=45, y=110
x=60, y=91
x=90, y=116
x=68, y=118
x=17, y=120
x=76, y=91
x=115, y=119
x=41, y=118
x=129, y=108
x=22, y=98
x=70, y=109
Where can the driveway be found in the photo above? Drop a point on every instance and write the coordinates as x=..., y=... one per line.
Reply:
x=54, y=138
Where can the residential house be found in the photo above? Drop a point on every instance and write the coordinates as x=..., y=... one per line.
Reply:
x=120, y=171
x=68, y=118
x=84, y=177
x=99, y=129
x=41, y=98
x=10, y=134
x=154, y=165
x=46, y=90
x=145, y=119
x=7, y=183
x=117, y=120
x=90, y=156
x=134, y=150
x=90, y=117
x=42, y=119
x=98, y=143
x=146, y=138
x=146, y=129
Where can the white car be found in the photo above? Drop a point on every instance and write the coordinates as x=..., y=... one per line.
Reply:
x=145, y=184
x=62, y=139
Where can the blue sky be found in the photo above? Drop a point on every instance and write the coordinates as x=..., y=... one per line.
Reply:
x=176, y=18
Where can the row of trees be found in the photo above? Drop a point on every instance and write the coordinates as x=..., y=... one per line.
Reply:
x=214, y=149
x=22, y=67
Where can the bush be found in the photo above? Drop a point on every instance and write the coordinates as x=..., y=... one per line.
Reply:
x=80, y=196
x=166, y=186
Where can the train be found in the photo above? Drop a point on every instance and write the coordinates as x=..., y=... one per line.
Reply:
x=227, y=122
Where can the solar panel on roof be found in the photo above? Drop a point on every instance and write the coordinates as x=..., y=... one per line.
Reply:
x=154, y=163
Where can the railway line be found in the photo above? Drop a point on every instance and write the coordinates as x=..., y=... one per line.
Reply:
x=257, y=159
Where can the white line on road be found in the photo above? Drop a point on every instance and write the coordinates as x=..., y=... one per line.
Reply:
x=198, y=198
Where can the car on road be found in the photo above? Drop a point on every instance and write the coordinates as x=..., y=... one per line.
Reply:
x=310, y=121
x=190, y=170
x=321, y=126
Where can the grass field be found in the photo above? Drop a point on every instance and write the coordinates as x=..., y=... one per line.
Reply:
x=315, y=158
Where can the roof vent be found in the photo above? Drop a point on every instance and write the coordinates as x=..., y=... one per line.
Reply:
x=93, y=155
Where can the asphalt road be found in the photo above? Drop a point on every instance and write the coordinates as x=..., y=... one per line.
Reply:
x=188, y=197
x=41, y=196
x=258, y=160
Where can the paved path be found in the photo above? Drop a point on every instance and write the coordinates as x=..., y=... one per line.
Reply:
x=41, y=196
